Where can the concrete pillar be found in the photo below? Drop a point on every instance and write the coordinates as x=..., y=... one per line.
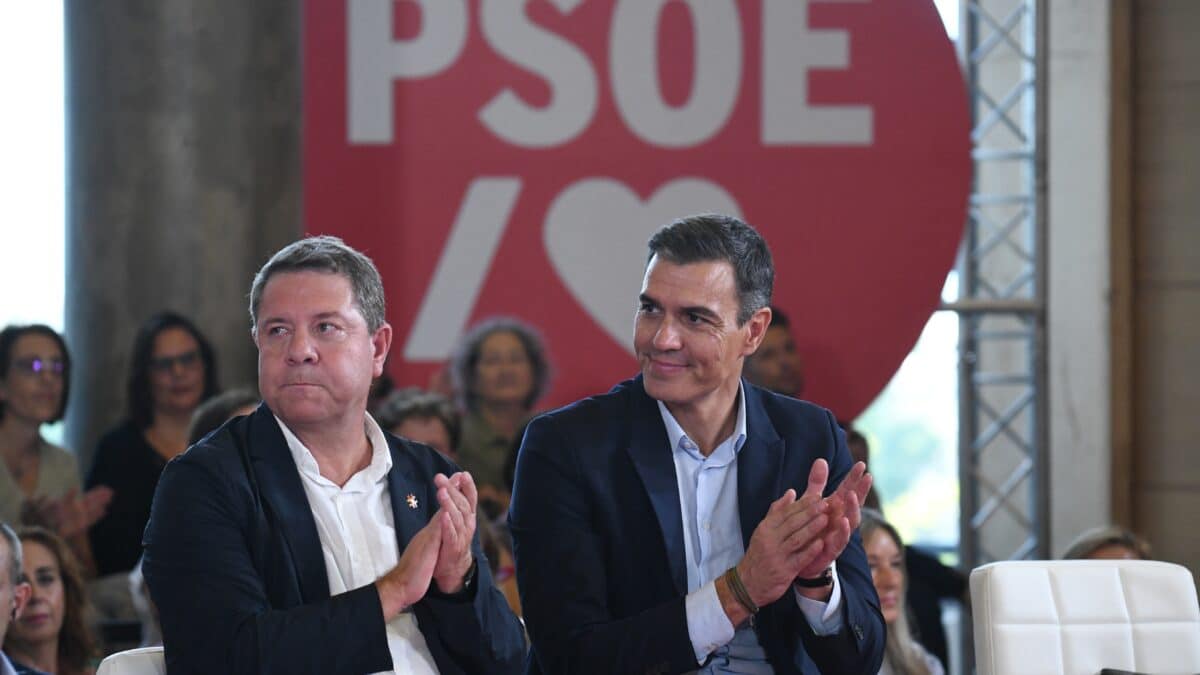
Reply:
x=183, y=175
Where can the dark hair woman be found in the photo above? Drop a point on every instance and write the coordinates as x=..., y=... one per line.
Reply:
x=173, y=371
x=39, y=481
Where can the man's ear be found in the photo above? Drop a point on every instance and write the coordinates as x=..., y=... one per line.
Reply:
x=21, y=593
x=758, y=323
x=381, y=343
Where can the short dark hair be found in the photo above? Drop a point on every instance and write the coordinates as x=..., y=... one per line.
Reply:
x=215, y=411
x=466, y=358
x=778, y=318
x=414, y=403
x=330, y=255
x=8, y=342
x=713, y=237
x=138, y=389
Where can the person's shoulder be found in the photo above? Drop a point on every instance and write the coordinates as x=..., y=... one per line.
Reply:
x=421, y=457
x=787, y=410
x=601, y=410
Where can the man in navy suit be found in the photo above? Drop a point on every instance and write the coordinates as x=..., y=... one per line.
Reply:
x=688, y=520
x=303, y=538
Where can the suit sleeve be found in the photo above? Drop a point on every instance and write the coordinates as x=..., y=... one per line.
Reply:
x=213, y=607
x=858, y=647
x=562, y=577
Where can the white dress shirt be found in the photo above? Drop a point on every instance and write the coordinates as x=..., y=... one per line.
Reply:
x=708, y=501
x=358, y=537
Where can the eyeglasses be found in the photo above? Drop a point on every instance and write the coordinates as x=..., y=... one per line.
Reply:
x=38, y=366
x=166, y=364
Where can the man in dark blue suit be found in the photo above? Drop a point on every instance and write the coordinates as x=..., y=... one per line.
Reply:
x=304, y=539
x=688, y=520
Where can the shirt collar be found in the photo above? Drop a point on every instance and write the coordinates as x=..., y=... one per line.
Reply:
x=676, y=435
x=381, y=456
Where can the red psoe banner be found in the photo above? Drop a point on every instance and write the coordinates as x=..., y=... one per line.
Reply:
x=511, y=157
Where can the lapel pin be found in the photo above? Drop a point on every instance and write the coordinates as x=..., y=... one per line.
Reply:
x=411, y=500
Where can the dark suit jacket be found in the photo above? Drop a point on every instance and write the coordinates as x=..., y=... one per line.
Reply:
x=234, y=564
x=598, y=538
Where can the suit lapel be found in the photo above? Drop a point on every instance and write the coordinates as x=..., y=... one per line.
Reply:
x=410, y=498
x=759, y=463
x=284, y=498
x=652, y=458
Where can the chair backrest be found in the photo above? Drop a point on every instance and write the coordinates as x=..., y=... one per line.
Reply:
x=1077, y=617
x=140, y=661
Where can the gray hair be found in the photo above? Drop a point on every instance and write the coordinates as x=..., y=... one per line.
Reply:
x=331, y=255
x=711, y=237
x=465, y=359
x=14, y=549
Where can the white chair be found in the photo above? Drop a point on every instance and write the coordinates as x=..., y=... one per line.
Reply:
x=1078, y=617
x=140, y=661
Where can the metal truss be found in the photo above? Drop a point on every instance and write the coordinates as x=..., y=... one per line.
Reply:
x=1001, y=271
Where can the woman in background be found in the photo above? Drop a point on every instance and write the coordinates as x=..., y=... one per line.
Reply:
x=500, y=371
x=39, y=481
x=51, y=635
x=173, y=371
x=885, y=556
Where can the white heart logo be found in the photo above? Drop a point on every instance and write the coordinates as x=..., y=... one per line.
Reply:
x=595, y=235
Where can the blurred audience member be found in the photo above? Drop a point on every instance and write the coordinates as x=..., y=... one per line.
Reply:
x=929, y=581
x=14, y=593
x=1108, y=543
x=39, y=481
x=860, y=451
x=776, y=365
x=220, y=409
x=885, y=556
x=423, y=417
x=500, y=371
x=51, y=635
x=173, y=370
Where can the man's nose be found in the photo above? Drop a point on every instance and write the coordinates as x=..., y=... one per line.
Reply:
x=666, y=336
x=301, y=348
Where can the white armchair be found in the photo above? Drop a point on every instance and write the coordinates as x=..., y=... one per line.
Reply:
x=1078, y=617
x=140, y=661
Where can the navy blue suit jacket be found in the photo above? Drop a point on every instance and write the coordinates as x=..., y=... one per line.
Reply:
x=234, y=564
x=598, y=538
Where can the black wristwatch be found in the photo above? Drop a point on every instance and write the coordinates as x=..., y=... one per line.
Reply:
x=826, y=579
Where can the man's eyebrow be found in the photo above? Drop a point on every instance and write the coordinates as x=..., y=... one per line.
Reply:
x=646, y=299
x=701, y=310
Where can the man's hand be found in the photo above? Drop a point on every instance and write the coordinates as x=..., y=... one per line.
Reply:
x=786, y=541
x=409, y=580
x=458, y=499
x=844, y=510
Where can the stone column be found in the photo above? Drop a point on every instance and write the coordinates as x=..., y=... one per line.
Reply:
x=183, y=175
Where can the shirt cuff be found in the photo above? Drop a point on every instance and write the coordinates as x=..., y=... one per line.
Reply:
x=708, y=626
x=824, y=617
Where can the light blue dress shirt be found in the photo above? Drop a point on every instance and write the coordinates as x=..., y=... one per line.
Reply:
x=712, y=541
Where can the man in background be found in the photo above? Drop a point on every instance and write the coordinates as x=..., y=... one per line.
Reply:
x=776, y=365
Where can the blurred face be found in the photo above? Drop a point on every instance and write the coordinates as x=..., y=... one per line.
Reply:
x=12, y=594
x=886, y=561
x=32, y=391
x=776, y=365
x=504, y=373
x=427, y=430
x=1114, y=552
x=43, y=616
x=316, y=356
x=686, y=335
x=176, y=372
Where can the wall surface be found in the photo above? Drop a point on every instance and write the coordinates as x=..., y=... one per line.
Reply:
x=1165, y=461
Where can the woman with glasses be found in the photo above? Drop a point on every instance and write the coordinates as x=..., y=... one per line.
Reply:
x=39, y=481
x=172, y=372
